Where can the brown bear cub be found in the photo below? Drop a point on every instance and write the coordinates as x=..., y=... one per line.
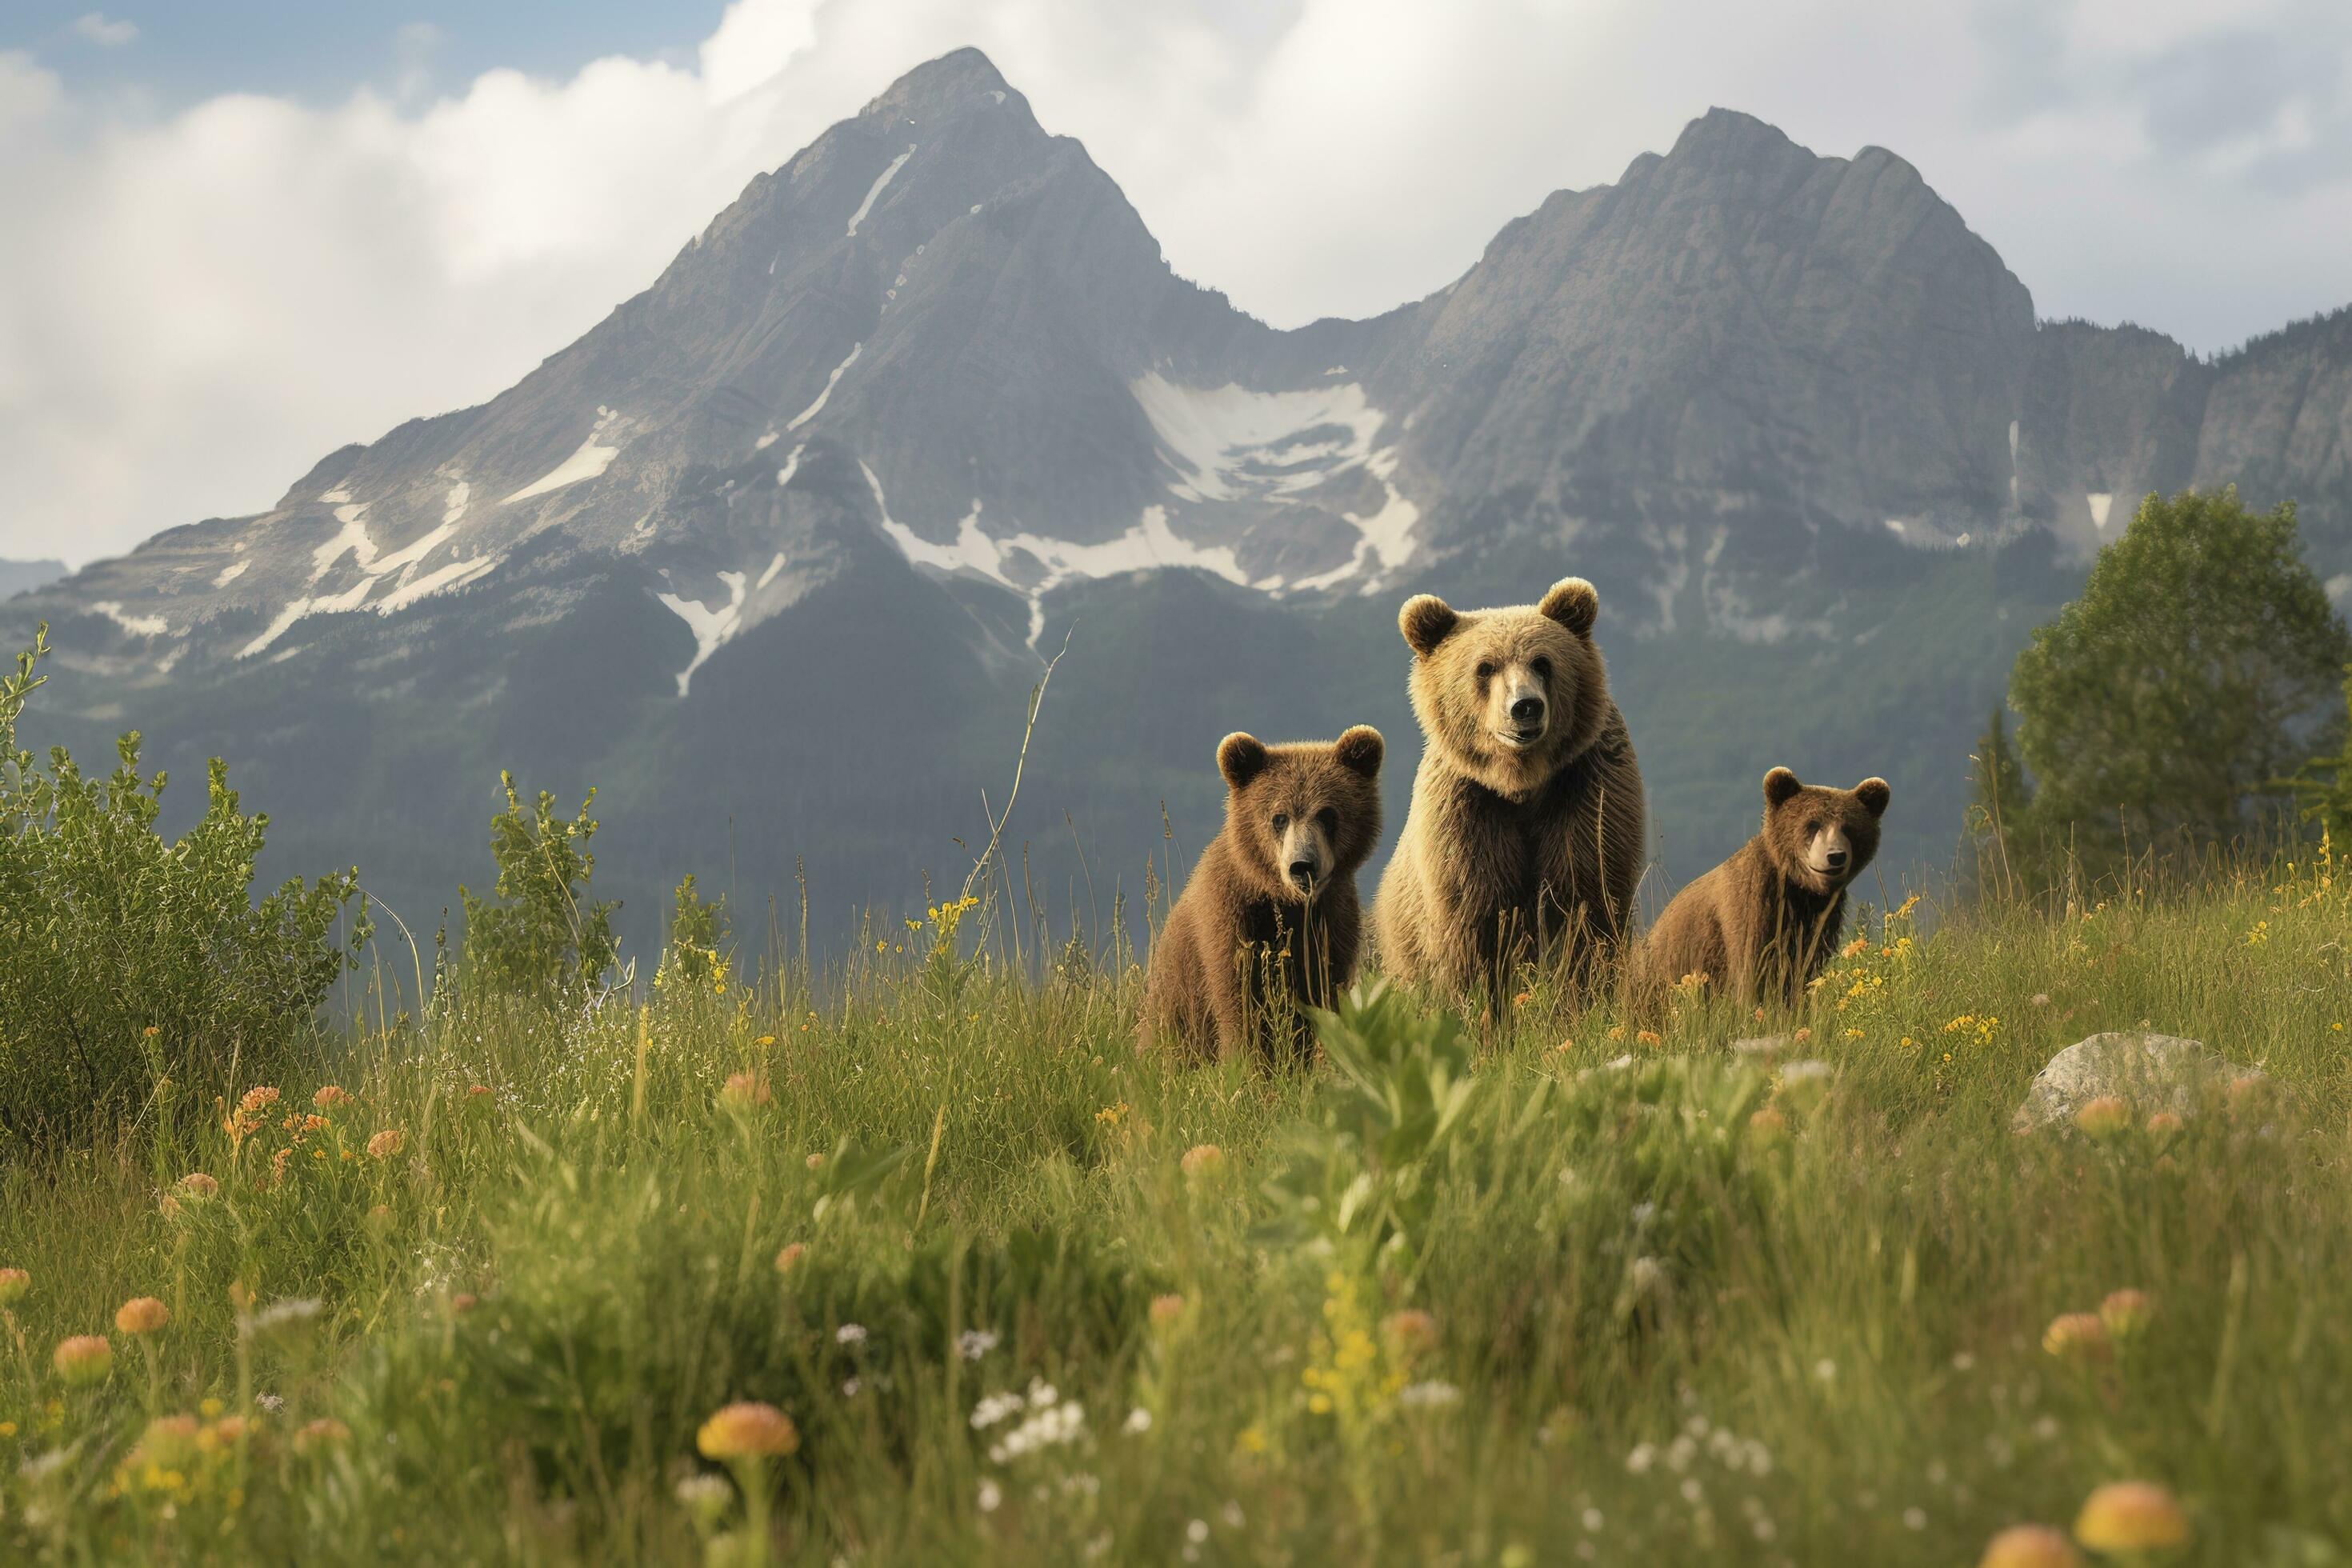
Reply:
x=1764, y=923
x=1523, y=841
x=1268, y=922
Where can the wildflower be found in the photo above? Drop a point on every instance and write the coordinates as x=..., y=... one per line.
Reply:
x=1801, y=1036
x=975, y=1343
x=1139, y=1421
x=1410, y=1333
x=84, y=1359
x=141, y=1315
x=747, y=1429
x=705, y=1497
x=2164, y=1124
x=1112, y=1115
x=2077, y=1336
x=463, y=1301
x=14, y=1283
x=744, y=1091
x=330, y=1095
x=850, y=1334
x=815, y=1161
x=1431, y=1394
x=1202, y=1161
x=1166, y=1309
x=1647, y=1037
x=2125, y=1312
x=1251, y=1439
x=387, y=1143
x=195, y=1185
x=789, y=1257
x=992, y=1496
x=2103, y=1117
x=2130, y=1516
x=2038, y=999
x=2029, y=1546
x=1641, y=1458
x=995, y=1407
x=478, y=1091
x=1826, y=1370
x=169, y=1441
x=326, y=1432
x=285, y=1317
x=1767, y=1126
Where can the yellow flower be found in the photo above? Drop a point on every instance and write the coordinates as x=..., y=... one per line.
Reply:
x=2131, y=1516
x=84, y=1359
x=2125, y=1312
x=387, y=1143
x=748, y=1429
x=1202, y=1161
x=14, y=1283
x=2077, y=1336
x=2029, y=1546
x=1251, y=1440
x=2103, y=1117
x=141, y=1315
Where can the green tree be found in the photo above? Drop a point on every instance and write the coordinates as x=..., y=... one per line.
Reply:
x=2168, y=697
x=2323, y=787
x=2000, y=804
x=544, y=938
x=136, y=973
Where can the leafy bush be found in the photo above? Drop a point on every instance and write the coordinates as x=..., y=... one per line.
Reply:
x=544, y=938
x=136, y=972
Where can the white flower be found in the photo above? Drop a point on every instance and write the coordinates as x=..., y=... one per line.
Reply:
x=272, y=1403
x=991, y=1495
x=1826, y=1370
x=976, y=1343
x=1643, y=1455
x=1042, y=1392
x=1428, y=1395
x=850, y=1333
x=994, y=1408
x=1692, y=1491
x=849, y=1390
x=1232, y=1514
x=1138, y=1420
x=1197, y=1531
x=1592, y=1520
x=1914, y=1519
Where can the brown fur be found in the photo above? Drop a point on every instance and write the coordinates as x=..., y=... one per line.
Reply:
x=1510, y=855
x=1763, y=924
x=1244, y=948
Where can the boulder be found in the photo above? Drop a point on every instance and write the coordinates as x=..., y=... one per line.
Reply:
x=2147, y=1072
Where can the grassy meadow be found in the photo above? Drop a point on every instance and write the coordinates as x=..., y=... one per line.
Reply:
x=1549, y=1290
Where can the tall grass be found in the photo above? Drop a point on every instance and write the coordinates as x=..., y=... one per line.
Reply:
x=1693, y=1306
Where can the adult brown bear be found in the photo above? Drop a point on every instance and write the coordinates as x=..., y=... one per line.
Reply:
x=1269, y=922
x=1523, y=841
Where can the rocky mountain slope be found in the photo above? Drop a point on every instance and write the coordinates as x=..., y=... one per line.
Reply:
x=772, y=554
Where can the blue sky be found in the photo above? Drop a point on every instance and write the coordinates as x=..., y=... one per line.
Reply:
x=241, y=233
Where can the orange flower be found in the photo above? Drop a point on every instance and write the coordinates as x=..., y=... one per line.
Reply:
x=84, y=1359
x=1411, y=1332
x=478, y=1090
x=2029, y=1546
x=1647, y=1037
x=141, y=1315
x=1166, y=1309
x=387, y=1143
x=14, y=1283
x=324, y=1433
x=789, y=1257
x=2131, y=1516
x=748, y=1429
x=332, y=1095
x=169, y=1441
x=2105, y=1117
x=2164, y=1124
x=1202, y=1161
x=1801, y=1036
x=2077, y=1336
x=744, y=1091
x=1767, y=1126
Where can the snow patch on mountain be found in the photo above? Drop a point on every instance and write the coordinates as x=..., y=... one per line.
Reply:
x=589, y=461
x=137, y=625
x=2100, y=501
x=889, y=175
x=768, y=576
x=351, y=540
x=297, y=609
x=813, y=409
x=440, y=580
x=792, y=465
x=230, y=574
x=711, y=628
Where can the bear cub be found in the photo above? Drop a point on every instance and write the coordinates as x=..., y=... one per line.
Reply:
x=1764, y=923
x=1523, y=841
x=1268, y=922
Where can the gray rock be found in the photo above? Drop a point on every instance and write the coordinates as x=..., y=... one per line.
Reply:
x=2148, y=1072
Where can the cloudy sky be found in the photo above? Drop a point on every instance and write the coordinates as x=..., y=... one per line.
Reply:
x=241, y=233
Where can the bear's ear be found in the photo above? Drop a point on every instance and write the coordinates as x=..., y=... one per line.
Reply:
x=1361, y=750
x=1240, y=758
x=1778, y=785
x=1574, y=604
x=1874, y=795
x=1426, y=620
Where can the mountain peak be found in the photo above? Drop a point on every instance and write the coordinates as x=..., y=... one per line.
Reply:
x=957, y=77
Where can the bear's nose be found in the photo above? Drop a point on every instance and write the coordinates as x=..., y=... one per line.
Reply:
x=1527, y=710
x=1303, y=873
x=1836, y=858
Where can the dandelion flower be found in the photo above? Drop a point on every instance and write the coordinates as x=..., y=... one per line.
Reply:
x=84, y=1359
x=1410, y=1333
x=141, y=1315
x=326, y=1432
x=2077, y=1336
x=1202, y=1161
x=330, y=1096
x=789, y=1257
x=1166, y=1309
x=747, y=1429
x=2131, y=1516
x=2105, y=1117
x=387, y=1143
x=14, y=1283
x=2029, y=1546
x=2125, y=1312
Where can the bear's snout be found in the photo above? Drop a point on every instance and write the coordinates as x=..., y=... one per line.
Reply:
x=1520, y=708
x=1527, y=709
x=1830, y=854
x=1304, y=859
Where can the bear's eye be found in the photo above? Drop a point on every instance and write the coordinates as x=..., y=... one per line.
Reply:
x=1327, y=820
x=1281, y=820
x=1542, y=667
x=1811, y=828
x=1485, y=670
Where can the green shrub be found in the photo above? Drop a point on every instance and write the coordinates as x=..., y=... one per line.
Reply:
x=544, y=938
x=136, y=972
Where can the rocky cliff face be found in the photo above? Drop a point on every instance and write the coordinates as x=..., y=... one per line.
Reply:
x=929, y=395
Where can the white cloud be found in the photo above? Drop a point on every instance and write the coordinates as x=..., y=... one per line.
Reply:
x=105, y=32
x=195, y=307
